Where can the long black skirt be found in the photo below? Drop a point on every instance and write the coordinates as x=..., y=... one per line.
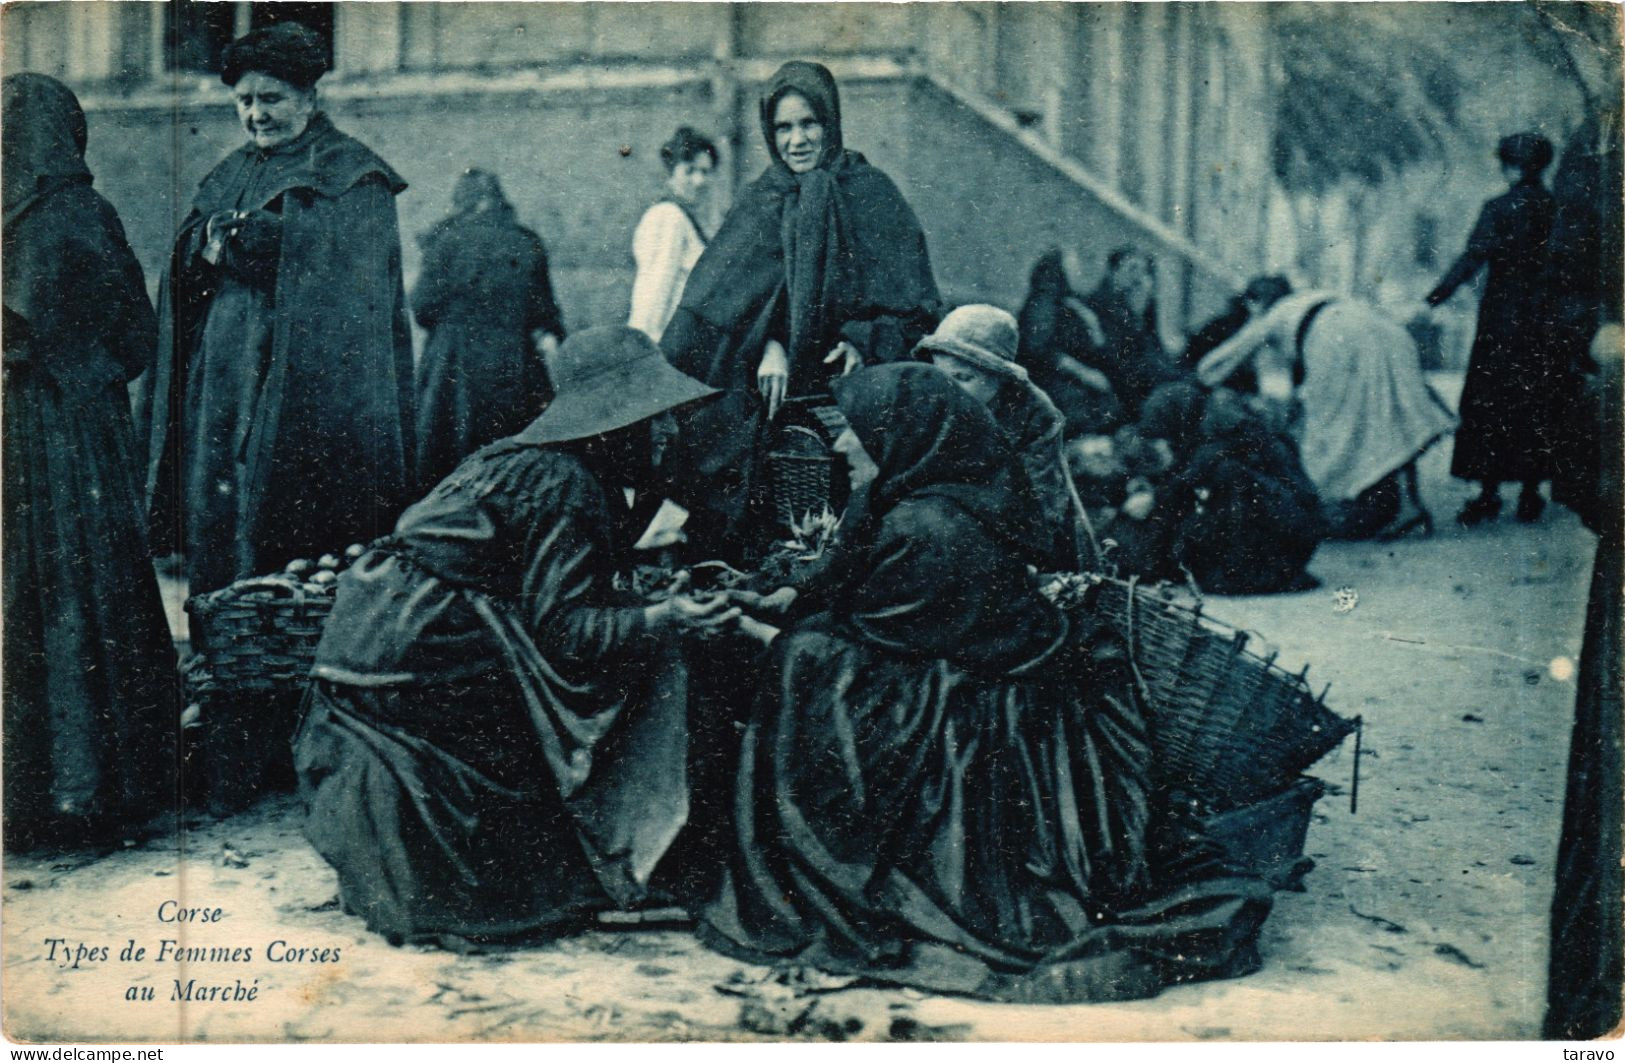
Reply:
x=92, y=696
x=439, y=813
x=905, y=821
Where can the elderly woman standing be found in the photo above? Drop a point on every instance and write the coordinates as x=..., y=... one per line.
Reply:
x=487, y=300
x=820, y=267
x=976, y=346
x=89, y=683
x=495, y=742
x=282, y=409
x=1508, y=403
x=669, y=238
x=945, y=780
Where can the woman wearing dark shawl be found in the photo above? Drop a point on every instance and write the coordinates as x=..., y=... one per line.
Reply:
x=1058, y=334
x=89, y=682
x=820, y=265
x=1368, y=414
x=487, y=302
x=1511, y=398
x=1131, y=354
x=1236, y=510
x=282, y=408
x=495, y=744
x=944, y=784
x=1587, y=966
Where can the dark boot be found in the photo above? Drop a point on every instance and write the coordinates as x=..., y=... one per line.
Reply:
x=1486, y=507
x=1530, y=504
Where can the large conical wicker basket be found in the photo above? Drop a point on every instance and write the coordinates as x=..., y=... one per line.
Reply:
x=1229, y=727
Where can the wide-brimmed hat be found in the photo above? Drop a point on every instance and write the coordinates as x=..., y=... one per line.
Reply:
x=982, y=335
x=607, y=378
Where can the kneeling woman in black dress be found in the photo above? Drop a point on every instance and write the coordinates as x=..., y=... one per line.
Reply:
x=495, y=743
x=945, y=782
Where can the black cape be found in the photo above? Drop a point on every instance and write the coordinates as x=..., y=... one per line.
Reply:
x=494, y=744
x=281, y=422
x=808, y=260
x=90, y=689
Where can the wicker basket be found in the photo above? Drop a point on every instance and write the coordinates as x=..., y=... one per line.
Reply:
x=1266, y=838
x=1229, y=726
x=258, y=635
x=801, y=465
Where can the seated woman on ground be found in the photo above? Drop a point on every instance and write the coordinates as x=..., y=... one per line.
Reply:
x=1367, y=413
x=976, y=346
x=1234, y=511
x=494, y=745
x=1059, y=333
x=945, y=780
x=1131, y=354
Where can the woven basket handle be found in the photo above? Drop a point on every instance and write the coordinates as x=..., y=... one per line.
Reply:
x=292, y=588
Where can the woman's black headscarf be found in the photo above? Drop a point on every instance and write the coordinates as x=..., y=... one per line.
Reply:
x=833, y=251
x=75, y=301
x=44, y=144
x=474, y=187
x=931, y=439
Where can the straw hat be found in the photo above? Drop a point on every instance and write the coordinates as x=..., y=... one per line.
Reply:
x=607, y=378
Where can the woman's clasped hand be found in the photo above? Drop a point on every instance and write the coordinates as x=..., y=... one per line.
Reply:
x=702, y=614
x=762, y=614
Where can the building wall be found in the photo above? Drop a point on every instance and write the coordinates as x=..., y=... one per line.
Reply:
x=569, y=102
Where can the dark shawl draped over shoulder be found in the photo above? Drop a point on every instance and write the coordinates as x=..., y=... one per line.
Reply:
x=483, y=291
x=90, y=692
x=74, y=295
x=297, y=401
x=945, y=783
x=806, y=259
x=495, y=745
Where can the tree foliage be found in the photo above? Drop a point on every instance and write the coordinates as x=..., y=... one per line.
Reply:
x=1358, y=96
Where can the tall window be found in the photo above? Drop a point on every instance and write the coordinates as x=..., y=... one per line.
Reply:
x=197, y=32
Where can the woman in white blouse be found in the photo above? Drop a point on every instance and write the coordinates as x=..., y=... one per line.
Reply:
x=669, y=237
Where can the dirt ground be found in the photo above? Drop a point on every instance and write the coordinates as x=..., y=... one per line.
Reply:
x=1425, y=917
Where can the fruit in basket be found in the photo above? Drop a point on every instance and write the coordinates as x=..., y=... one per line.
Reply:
x=300, y=566
x=329, y=563
x=324, y=578
x=353, y=551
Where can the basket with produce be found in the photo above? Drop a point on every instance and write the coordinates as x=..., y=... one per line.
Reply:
x=260, y=634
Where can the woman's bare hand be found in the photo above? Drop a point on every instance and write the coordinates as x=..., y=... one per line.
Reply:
x=775, y=604
x=755, y=629
x=847, y=355
x=773, y=377
x=688, y=614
